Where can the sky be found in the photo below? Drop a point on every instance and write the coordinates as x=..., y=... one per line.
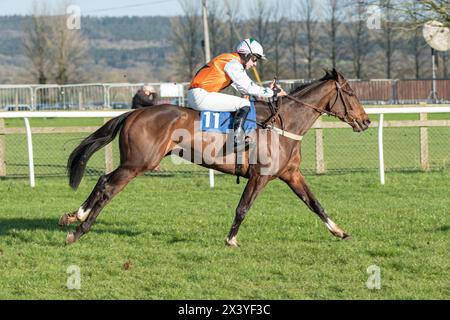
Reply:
x=101, y=7
x=126, y=7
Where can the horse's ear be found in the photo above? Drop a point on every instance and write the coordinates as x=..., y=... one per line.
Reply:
x=337, y=75
x=328, y=73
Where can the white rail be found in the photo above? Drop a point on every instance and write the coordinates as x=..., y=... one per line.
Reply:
x=110, y=114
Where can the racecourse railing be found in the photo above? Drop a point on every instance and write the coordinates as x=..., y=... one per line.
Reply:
x=113, y=96
x=320, y=155
x=91, y=96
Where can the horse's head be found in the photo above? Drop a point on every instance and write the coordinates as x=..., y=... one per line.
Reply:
x=344, y=104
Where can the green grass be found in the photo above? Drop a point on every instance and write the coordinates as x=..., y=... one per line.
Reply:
x=170, y=233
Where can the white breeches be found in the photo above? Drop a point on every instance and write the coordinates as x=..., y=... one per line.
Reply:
x=200, y=99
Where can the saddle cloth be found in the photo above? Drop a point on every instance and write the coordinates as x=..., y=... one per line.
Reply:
x=222, y=122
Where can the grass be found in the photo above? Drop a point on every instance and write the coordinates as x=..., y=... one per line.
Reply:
x=163, y=238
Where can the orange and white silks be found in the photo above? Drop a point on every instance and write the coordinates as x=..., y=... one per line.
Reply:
x=212, y=77
x=222, y=71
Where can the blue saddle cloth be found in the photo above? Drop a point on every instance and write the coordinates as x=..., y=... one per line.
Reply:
x=222, y=122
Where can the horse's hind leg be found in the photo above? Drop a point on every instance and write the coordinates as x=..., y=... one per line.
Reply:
x=105, y=189
x=254, y=186
x=81, y=214
x=296, y=182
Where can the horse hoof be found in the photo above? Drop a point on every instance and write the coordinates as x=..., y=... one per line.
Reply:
x=70, y=238
x=63, y=221
x=66, y=219
x=232, y=243
x=346, y=237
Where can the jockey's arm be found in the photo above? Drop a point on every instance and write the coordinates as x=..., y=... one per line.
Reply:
x=243, y=83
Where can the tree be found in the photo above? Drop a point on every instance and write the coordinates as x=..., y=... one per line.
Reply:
x=56, y=53
x=216, y=27
x=69, y=50
x=333, y=12
x=186, y=38
x=357, y=31
x=426, y=10
x=260, y=15
x=417, y=41
x=293, y=33
x=36, y=42
x=388, y=37
x=309, y=24
x=277, y=35
x=233, y=10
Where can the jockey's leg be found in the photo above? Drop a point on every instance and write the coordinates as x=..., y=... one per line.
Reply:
x=201, y=100
x=238, y=127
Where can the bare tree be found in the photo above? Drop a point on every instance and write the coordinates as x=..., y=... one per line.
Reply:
x=186, y=37
x=421, y=10
x=216, y=27
x=293, y=34
x=260, y=15
x=444, y=56
x=233, y=11
x=388, y=36
x=277, y=35
x=357, y=31
x=309, y=23
x=36, y=42
x=417, y=41
x=417, y=46
x=333, y=14
x=69, y=49
x=426, y=10
x=56, y=52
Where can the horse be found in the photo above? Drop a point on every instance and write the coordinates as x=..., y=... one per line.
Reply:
x=147, y=135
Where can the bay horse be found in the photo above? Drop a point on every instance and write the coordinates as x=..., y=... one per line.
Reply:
x=147, y=135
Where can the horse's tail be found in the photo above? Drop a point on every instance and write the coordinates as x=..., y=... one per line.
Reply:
x=94, y=142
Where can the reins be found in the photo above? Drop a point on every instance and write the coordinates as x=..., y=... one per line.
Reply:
x=339, y=88
x=275, y=110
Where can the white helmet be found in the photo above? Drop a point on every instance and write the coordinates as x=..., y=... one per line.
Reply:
x=251, y=46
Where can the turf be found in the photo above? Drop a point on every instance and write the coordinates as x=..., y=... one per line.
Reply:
x=163, y=238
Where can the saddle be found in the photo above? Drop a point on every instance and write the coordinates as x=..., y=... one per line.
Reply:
x=222, y=122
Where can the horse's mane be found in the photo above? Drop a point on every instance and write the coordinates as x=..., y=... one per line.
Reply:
x=306, y=87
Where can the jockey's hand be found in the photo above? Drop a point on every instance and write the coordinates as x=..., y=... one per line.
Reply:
x=272, y=84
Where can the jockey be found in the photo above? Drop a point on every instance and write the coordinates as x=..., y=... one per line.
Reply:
x=229, y=69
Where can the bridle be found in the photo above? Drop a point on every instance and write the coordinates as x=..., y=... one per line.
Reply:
x=340, y=89
x=276, y=103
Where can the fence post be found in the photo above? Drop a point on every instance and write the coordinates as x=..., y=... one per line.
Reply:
x=424, y=163
x=80, y=101
x=394, y=93
x=108, y=154
x=30, y=152
x=2, y=149
x=320, y=161
x=380, y=147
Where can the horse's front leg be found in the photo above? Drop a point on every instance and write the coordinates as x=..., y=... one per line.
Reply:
x=296, y=182
x=254, y=186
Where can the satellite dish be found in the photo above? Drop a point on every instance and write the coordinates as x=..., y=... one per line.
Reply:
x=436, y=35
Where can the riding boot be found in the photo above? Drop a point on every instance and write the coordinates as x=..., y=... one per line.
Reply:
x=238, y=128
x=239, y=138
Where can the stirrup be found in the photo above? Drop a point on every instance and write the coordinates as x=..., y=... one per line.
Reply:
x=244, y=144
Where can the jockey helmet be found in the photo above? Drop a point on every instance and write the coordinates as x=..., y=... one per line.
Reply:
x=251, y=47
